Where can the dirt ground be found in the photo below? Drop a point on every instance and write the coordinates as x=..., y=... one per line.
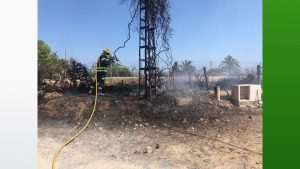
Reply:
x=181, y=130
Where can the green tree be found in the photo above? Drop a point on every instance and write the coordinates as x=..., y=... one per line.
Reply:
x=230, y=65
x=50, y=66
x=44, y=52
x=187, y=67
x=119, y=71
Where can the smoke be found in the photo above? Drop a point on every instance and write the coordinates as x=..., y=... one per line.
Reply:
x=196, y=81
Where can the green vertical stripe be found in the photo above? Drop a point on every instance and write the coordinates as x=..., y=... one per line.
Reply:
x=281, y=63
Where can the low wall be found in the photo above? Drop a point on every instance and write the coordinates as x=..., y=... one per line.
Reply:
x=118, y=80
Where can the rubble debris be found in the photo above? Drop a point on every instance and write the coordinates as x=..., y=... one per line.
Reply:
x=258, y=162
x=67, y=106
x=52, y=95
x=140, y=113
x=191, y=128
x=181, y=101
x=103, y=104
x=148, y=150
x=224, y=104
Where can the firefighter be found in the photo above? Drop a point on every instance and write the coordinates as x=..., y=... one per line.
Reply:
x=104, y=60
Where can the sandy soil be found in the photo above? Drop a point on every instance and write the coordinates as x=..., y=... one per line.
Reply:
x=123, y=135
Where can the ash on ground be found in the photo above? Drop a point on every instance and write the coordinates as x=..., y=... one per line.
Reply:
x=180, y=129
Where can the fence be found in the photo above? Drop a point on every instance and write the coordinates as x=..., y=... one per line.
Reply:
x=208, y=74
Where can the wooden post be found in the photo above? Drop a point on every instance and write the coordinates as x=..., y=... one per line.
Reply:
x=204, y=70
x=218, y=93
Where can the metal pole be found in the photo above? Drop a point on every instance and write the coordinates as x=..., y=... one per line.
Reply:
x=65, y=53
x=140, y=33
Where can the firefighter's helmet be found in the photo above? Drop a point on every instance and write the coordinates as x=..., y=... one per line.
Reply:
x=106, y=51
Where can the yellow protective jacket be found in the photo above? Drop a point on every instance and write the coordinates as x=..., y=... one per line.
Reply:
x=103, y=62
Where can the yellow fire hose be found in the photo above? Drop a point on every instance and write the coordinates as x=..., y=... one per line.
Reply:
x=85, y=126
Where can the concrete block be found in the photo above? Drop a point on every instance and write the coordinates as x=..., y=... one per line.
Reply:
x=218, y=93
x=246, y=94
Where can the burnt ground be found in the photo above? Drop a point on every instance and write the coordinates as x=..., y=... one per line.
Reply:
x=184, y=129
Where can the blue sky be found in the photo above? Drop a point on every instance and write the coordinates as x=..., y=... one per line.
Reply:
x=204, y=30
